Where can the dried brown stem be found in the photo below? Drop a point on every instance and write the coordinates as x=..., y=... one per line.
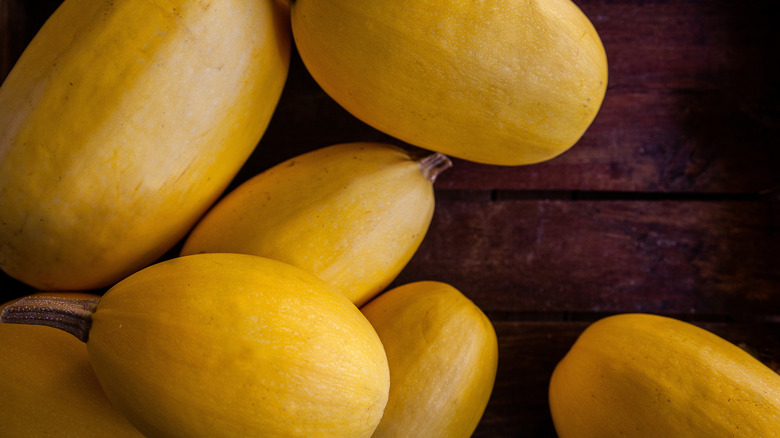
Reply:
x=68, y=314
x=434, y=164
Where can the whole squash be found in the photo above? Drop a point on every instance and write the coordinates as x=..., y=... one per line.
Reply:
x=442, y=352
x=233, y=345
x=48, y=387
x=122, y=122
x=641, y=375
x=504, y=82
x=353, y=214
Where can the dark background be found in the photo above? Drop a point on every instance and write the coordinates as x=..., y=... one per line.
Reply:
x=668, y=204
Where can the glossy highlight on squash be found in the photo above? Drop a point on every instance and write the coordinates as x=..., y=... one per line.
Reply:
x=122, y=122
x=643, y=376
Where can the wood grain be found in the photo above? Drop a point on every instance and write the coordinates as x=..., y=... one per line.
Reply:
x=681, y=257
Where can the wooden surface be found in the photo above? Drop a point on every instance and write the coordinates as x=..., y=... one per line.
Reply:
x=669, y=203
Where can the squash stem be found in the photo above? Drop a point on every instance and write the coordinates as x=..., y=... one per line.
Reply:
x=68, y=314
x=434, y=164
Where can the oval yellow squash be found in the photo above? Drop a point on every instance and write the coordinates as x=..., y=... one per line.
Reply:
x=443, y=353
x=640, y=375
x=122, y=122
x=233, y=345
x=504, y=82
x=353, y=214
x=48, y=387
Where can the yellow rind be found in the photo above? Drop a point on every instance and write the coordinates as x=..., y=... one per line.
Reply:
x=443, y=355
x=640, y=375
x=505, y=82
x=122, y=122
x=233, y=345
x=352, y=214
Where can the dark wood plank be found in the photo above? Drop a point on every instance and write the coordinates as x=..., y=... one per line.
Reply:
x=532, y=256
x=650, y=142
x=12, y=42
x=688, y=44
x=709, y=257
x=19, y=21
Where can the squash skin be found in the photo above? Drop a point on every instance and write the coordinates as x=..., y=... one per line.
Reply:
x=506, y=83
x=48, y=387
x=352, y=214
x=122, y=122
x=232, y=345
x=443, y=355
x=639, y=375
